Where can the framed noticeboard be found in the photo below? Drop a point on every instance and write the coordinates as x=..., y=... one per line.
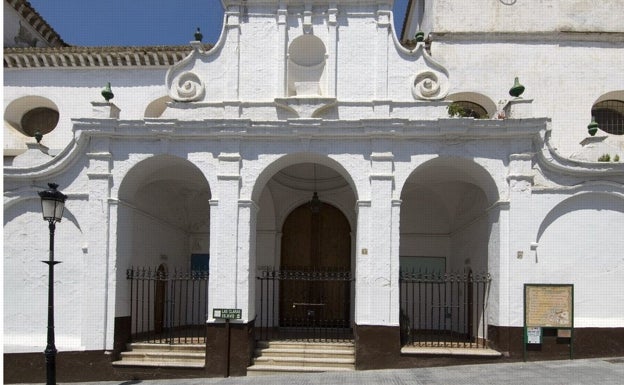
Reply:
x=548, y=306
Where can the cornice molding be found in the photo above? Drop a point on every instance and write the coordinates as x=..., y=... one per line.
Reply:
x=549, y=159
x=535, y=129
x=96, y=57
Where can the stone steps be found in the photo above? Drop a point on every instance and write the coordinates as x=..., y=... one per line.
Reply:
x=163, y=355
x=277, y=357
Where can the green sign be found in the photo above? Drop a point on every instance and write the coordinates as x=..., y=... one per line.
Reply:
x=227, y=313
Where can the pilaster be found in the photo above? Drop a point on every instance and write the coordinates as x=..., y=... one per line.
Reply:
x=282, y=33
x=97, y=314
x=332, y=48
x=231, y=54
x=382, y=37
x=376, y=266
x=499, y=265
x=233, y=240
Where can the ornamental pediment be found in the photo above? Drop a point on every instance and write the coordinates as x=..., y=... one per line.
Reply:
x=304, y=59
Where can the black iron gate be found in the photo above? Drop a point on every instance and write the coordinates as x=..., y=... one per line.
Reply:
x=304, y=305
x=168, y=307
x=444, y=309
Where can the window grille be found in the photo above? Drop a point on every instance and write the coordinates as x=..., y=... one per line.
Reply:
x=472, y=110
x=609, y=115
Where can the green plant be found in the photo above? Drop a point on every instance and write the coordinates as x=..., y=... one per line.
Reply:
x=604, y=158
x=616, y=158
x=454, y=109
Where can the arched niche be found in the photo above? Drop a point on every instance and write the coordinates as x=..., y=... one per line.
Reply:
x=306, y=66
x=579, y=242
x=444, y=213
x=473, y=97
x=163, y=217
x=29, y=114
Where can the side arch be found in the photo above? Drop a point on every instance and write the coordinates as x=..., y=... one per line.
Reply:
x=455, y=169
x=580, y=243
x=583, y=201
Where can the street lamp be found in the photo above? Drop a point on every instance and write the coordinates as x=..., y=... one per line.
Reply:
x=52, y=205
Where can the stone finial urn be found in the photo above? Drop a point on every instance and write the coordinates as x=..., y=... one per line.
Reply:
x=517, y=89
x=198, y=35
x=107, y=93
x=592, y=127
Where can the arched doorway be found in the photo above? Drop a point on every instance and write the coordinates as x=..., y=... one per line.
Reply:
x=316, y=246
x=447, y=232
x=305, y=258
x=163, y=220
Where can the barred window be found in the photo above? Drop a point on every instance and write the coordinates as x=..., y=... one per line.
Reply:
x=609, y=115
x=42, y=119
x=470, y=110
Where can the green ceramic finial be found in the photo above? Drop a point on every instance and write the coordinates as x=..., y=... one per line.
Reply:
x=592, y=127
x=107, y=93
x=517, y=89
x=420, y=36
x=198, y=35
x=38, y=136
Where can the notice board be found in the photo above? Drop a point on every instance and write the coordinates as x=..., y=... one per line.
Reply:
x=548, y=306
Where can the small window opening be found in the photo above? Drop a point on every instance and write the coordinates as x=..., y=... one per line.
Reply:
x=609, y=115
x=42, y=119
x=467, y=109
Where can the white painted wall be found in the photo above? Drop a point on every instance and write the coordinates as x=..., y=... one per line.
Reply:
x=513, y=16
x=376, y=136
x=26, y=240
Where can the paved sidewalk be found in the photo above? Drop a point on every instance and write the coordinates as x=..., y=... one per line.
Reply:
x=605, y=371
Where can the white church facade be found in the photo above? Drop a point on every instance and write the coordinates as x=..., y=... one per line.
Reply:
x=321, y=178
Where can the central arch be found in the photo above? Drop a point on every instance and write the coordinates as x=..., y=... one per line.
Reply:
x=315, y=242
x=305, y=259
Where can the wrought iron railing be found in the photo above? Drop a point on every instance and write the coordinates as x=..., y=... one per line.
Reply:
x=168, y=307
x=304, y=305
x=444, y=309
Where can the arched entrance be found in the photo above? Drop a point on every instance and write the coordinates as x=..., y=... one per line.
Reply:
x=163, y=221
x=304, y=250
x=316, y=245
x=447, y=233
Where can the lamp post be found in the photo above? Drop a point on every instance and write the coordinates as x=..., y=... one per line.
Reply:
x=52, y=205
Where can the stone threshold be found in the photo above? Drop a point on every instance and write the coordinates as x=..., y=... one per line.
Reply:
x=428, y=350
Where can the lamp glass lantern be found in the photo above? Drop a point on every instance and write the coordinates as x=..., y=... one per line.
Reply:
x=52, y=203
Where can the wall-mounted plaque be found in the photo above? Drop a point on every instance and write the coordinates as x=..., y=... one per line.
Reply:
x=548, y=306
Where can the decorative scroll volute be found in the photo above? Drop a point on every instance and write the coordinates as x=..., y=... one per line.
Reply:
x=187, y=87
x=429, y=85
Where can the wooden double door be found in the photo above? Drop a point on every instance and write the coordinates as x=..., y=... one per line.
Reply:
x=315, y=290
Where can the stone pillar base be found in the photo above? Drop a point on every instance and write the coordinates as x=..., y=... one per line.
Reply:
x=377, y=347
x=241, y=348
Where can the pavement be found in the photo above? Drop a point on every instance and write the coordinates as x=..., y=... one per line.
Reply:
x=603, y=371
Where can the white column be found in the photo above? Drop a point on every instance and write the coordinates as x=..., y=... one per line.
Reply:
x=362, y=264
x=282, y=44
x=376, y=266
x=231, y=55
x=381, y=56
x=395, y=239
x=332, y=50
x=499, y=265
x=224, y=227
x=246, y=259
x=98, y=315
